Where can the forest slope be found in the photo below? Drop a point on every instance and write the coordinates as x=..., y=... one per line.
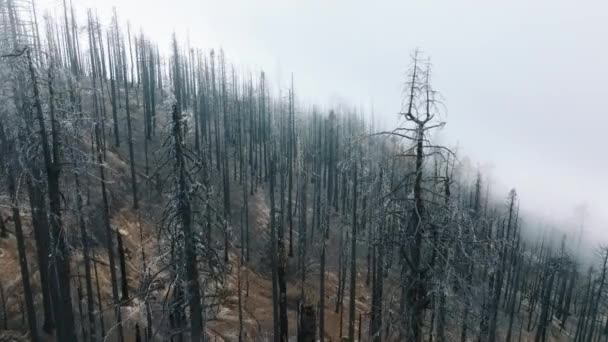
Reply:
x=153, y=197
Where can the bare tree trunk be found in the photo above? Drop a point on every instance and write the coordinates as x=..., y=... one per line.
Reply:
x=40, y=226
x=570, y=291
x=282, y=265
x=113, y=94
x=325, y=226
x=353, y=263
x=184, y=212
x=291, y=156
x=3, y=229
x=62, y=301
x=378, y=273
x=87, y=260
x=4, y=309
x=541, y=331
x=129, y=137
x=7, y=151
x=275, y=262
x=108, y=235
x=240, y=297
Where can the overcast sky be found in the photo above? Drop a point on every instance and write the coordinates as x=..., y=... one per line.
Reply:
x=524, y=81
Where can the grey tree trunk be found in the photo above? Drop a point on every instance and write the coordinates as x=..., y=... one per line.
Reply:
x=353, y=263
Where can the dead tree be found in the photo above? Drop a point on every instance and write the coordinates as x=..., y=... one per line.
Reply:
x=9, y=151
x=184, y=217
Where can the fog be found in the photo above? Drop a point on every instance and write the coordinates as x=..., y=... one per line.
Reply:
x=524, y=83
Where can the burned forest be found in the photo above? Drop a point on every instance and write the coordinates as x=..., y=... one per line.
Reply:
x=161, y=193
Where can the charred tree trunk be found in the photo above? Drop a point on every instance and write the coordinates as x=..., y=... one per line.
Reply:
x=353, y=263
x=40, y=226
x=274, y=258
x=184, y=212
x=86, y=259
x=9, y=150
x=129, y=137
x=325, y=226
x=108, y=235
x=62, y=300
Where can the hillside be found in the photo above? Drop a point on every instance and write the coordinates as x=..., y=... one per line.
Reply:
x=152, y=197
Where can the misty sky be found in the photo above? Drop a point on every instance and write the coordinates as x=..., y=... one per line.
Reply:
x=524, y=81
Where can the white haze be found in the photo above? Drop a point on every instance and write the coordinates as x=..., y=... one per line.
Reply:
x=524, y=81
